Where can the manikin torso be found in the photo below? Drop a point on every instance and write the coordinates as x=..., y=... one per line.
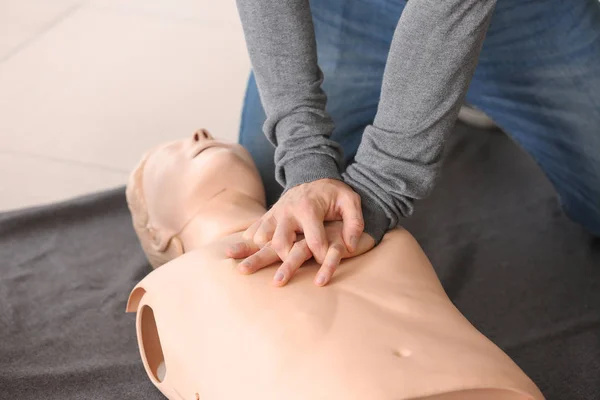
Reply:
x=383, y=329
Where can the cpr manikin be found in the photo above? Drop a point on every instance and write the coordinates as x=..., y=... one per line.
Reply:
x=383, y=329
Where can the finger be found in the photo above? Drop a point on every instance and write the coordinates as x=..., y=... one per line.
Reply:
x=314, y=233
x=297, y=256
x=332, y=261
x=284, y=237
x=265, y=231
x=353, y=222
x=251, y=231
x=241, y=250
x=261, y=259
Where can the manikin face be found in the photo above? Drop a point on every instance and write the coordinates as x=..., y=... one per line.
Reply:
x=182, y=178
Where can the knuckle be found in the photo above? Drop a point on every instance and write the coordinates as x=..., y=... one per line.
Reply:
x=254, y=257
x=305, y=206
x=258, y=261
x=305, y=250
x=282, y=255
x=314, y=243
x=358, y=223
x=260, y=239
x=248, y=233
x=278, y=244
x=258, y=256
x=299, y=245
x=338, y=247
x=264, y=236
x=355, y=199
x=328, y=269
x=279, y=249
x=282, y=244
x=269, y=228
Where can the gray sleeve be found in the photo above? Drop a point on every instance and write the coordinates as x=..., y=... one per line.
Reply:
x=281, y=42
x=432, y=59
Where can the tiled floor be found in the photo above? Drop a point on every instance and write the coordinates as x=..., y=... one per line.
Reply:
x=87, y=86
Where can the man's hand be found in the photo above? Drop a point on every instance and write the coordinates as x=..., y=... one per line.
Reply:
x=303, y=209
x=257, y=258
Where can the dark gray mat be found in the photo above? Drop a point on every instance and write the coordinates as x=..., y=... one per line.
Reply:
x=521, y=272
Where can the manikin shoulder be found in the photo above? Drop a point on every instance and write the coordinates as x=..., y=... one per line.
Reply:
x=383, y=329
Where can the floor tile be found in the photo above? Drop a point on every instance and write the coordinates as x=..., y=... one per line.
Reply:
x=191, y=10
x=103, y=86
x=22, y=21
x=27, y=181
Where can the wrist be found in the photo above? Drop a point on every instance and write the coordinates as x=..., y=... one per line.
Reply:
x=309, y=168
x=376, y=221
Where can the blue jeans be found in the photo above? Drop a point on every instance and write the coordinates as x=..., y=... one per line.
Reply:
x=538, y=77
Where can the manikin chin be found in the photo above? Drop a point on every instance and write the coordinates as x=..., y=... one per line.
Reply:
x=383, y=329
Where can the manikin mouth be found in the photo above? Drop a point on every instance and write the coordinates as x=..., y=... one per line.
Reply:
x=208, y=146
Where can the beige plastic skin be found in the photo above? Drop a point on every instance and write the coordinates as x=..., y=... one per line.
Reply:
x=384, y=329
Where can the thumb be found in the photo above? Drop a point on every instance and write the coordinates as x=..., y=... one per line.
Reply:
x=353, y=222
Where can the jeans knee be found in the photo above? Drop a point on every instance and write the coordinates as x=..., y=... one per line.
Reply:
x=584, y=211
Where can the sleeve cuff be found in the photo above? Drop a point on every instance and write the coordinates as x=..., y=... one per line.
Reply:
x=310, y=168
x=376, y=221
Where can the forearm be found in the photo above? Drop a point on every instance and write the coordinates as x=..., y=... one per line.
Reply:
x=430, y=65
x=281, y=42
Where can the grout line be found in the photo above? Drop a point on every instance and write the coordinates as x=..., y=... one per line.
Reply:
x=194, y=21
x=60, y=18
x=65, y=161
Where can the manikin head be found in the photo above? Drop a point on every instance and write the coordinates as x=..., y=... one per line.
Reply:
x=189, y=184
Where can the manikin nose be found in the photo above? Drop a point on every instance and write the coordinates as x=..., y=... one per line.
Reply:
x=202, y=134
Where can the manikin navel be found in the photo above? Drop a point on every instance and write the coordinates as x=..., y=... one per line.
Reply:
x=383, y=329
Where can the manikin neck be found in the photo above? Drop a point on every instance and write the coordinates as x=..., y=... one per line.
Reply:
x=227, y=213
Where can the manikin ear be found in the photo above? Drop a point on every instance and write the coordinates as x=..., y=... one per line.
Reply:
x=171, y=247
x=175, y=247
x=156, y=239
x=162, y=243
x=161, y=248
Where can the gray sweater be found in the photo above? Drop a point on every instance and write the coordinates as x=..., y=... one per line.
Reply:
x=432, y=59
